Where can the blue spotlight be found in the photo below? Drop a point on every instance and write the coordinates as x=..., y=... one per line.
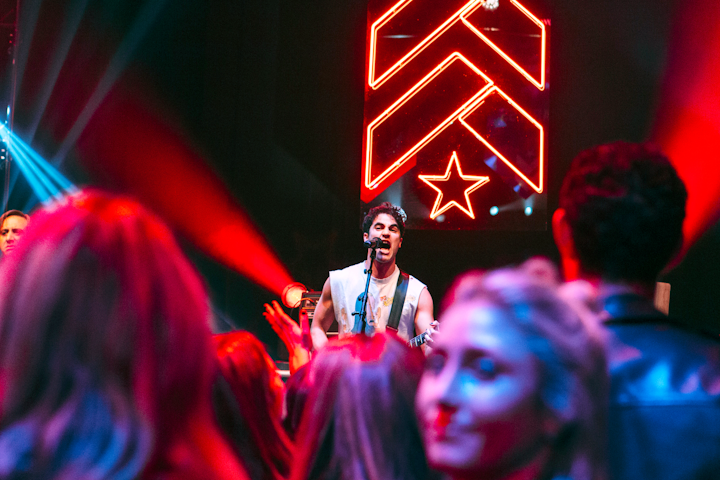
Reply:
x=494, y=211
x=528, y=211
x=46, y=182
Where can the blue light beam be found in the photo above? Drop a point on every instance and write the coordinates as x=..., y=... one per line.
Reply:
x=117, y=65
x=47, y=183
x=69, y=29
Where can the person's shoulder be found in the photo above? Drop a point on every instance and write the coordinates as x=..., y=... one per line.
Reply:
x=661, y=328
x=350, y=267
x=414, y=280
x=349, y=270
x=636, y=320
x=654, y=353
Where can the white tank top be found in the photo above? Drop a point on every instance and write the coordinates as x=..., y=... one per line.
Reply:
x=348, y=284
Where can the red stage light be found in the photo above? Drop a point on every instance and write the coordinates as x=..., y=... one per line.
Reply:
x=129, y=148
x=687, y=126
x=292, y=294
x=371, y=183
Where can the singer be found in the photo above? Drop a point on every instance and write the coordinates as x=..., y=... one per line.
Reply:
x=342, y=295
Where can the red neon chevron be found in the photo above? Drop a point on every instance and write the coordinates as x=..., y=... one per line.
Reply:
x=396, y=13
x=524, y=13
x=373, y=180
x=536, y=184
x=404, y=9
x=386, y=158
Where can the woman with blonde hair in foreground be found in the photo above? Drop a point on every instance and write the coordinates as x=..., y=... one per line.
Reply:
x=515, y=387
x=105, y=351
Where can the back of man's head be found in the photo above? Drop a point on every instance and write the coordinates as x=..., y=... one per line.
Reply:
x=625, y=205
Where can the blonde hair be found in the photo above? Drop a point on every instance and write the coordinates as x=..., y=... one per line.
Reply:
x=570, y=351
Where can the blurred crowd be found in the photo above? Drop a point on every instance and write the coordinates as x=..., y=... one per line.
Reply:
x=109, y=369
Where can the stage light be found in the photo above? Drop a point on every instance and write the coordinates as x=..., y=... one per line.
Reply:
x=494, y=211
x=46, y=182
x=491, y=5
x=292, y=294
x=687, y=126
x=528, y=211
x=185, y=191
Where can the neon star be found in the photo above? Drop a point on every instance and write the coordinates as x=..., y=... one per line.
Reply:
x=477, y=180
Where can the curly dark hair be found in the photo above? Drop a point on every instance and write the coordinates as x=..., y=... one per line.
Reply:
x=389, y=209
x=625, y=205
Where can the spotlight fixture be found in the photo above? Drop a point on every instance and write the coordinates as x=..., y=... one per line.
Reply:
x=292, y=294
x=528, y=211
x=491, y=4
x=494, y=211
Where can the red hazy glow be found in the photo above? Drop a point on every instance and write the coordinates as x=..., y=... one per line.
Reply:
x=688, y=121
x=130, y=148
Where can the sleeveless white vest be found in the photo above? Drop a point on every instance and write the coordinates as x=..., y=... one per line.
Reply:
x=348, y=284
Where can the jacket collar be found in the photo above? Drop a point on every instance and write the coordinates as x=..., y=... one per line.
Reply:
x=620, y=302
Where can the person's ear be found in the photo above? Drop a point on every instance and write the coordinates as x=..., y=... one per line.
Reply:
x=365, y=237
x=562, y=234
x=400, y=242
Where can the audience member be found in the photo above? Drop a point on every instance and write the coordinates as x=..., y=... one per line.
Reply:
x=105, y=351
x=12, y=226
x=297, y=390
x=619, y=223
x=248, y=401
x=297, y=342
x=359, y=422
x=543, y=269
x=515, y=386
x=460, y=286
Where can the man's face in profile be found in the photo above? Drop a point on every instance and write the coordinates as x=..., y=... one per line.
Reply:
x=12, y=229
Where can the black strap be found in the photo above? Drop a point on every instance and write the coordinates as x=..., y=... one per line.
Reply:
x=398, y=300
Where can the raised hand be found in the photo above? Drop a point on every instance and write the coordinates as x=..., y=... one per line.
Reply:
x=290, y=333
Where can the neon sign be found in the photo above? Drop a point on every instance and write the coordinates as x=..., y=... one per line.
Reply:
x=475, y=180
x=454, y=80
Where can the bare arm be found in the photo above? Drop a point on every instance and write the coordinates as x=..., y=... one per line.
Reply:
x=290, y=333
x=424, y=316
x=323, y=317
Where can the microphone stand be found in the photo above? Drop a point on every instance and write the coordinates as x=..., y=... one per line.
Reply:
x=363, y=308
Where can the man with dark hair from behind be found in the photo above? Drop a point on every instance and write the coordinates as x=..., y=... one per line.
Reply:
x=340, y=294
x=622, y=206
x=12, y=226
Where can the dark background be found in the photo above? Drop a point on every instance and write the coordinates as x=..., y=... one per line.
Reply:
x=271, y=91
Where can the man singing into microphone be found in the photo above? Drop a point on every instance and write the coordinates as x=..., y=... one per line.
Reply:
x=342, y=294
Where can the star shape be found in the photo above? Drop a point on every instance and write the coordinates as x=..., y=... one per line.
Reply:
x=477, y=182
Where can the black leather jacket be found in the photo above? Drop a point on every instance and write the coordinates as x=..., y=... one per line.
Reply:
x=664, y=418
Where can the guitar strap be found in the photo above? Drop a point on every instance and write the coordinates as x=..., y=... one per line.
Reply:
x=398, y=301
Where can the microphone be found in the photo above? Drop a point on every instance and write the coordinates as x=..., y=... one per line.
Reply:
x=376, y=243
